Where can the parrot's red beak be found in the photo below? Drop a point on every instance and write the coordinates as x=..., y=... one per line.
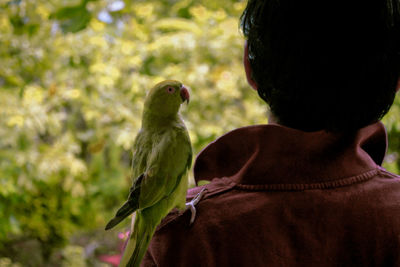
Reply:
x=185, y=94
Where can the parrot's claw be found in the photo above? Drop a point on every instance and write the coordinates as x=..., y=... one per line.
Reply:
x=191, y=205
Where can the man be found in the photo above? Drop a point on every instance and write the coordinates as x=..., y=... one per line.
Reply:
x=307, y=189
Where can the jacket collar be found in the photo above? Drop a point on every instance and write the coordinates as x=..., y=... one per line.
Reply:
x=274, y=154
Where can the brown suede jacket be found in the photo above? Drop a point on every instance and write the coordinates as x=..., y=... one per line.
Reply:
x=283, y=197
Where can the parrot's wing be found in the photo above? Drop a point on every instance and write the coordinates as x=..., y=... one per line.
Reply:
x=130, y=206
x=140, y=150
x=138, y=167
x=168, y=163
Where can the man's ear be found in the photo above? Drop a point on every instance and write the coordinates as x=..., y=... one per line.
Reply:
x=247, y=66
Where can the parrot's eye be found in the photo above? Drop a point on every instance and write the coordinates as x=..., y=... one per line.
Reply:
x=170, y=90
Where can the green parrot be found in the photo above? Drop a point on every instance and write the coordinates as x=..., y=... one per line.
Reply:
x=162, y=156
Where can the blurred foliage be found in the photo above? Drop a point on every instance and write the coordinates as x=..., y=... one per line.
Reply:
x=73, y=77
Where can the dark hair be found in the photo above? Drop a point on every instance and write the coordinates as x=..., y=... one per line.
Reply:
x=330, y=65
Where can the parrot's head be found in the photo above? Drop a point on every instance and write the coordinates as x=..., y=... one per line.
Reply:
x=165, y=98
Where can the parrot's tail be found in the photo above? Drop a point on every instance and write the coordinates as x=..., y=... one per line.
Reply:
x=140, y=250
x=138, y=243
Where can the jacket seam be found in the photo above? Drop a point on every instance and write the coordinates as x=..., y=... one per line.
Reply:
x=388, y=174
x=320, y=185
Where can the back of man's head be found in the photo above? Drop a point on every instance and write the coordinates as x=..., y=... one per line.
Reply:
x=330, y=65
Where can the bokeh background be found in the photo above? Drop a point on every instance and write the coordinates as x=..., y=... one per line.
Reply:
x=73, y=75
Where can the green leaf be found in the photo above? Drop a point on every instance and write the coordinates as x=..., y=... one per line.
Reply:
x=73, y=18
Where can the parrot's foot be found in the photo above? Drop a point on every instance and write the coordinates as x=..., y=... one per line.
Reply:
x=191, y=205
